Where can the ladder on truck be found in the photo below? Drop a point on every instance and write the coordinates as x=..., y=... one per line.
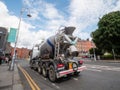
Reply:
x=57, y=47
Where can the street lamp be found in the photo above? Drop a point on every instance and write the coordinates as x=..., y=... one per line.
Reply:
x=14, y=53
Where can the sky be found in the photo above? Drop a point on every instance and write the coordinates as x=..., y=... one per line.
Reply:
x=49, y=15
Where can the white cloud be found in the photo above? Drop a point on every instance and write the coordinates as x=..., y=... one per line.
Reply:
x=3, y=9
x=51, y=12
x=26, y=38
x=87, y=12
x=82, y=14
x=117, y=7
x=5, y=18
x=52, y=17
x=35, y=7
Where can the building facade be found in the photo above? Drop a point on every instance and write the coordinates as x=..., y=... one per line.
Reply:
x=3, y=38
x=5, y=47
x=22, y=53
x=84, y=46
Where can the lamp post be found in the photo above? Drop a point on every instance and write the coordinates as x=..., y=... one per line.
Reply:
x=113, y=54
x=14, y=53
x=94, y=53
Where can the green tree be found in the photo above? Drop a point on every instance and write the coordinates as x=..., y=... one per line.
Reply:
x=97, y=51
x=107, y=36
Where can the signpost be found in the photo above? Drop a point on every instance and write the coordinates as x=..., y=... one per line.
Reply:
x=12, y=35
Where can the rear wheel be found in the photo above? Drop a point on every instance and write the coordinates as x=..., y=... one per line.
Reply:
x=31, y=64
x=44, y=70
x=39, y=70
x=52, y=74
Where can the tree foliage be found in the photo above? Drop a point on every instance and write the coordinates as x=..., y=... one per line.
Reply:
x=107, y=36
x=96, y=51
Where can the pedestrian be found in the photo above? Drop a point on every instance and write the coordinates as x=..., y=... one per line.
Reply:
x=6, y=59
x=98, y=57
x=9, y=59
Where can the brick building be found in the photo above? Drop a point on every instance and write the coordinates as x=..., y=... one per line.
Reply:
x=22, y=53
x=84, y=46
x=5, y=47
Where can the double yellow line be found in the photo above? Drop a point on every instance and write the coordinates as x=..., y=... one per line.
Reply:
x=32, y=84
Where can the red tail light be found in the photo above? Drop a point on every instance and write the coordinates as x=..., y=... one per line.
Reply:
x=60, y=65
x=81, y=62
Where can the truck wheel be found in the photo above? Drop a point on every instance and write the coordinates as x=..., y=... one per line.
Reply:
x=44, y=71
x=31, y=65
x=39, y=70
x=52, y=74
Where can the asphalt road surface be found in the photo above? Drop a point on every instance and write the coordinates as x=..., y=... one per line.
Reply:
x=97, y=76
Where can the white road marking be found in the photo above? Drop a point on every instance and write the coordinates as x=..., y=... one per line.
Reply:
x=94, y=70
x=75, y=79
x=43, y=78
x=55, y=86
x=113, y=69
x=92, y=67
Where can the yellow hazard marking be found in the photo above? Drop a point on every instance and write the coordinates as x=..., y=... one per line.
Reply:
x=31, y=82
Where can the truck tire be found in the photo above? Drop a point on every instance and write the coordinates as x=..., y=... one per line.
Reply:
x=44, y=70
x=39, y=70
x=30, y=64
x=52, y=74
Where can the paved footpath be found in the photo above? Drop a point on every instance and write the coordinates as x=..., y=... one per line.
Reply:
x=9, y=80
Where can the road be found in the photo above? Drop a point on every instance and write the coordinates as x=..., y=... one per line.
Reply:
x=97, y=76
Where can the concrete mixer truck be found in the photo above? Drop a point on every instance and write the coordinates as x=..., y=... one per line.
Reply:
x=54, y=57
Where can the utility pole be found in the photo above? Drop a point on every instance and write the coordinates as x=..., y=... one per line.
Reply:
x=14, y=54
x=93, y=48
x=113, y=54
x=94, y=54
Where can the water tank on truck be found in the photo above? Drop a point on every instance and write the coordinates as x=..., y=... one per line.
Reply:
x=64, y=43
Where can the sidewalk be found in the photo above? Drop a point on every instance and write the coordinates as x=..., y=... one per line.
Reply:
x=9, y=80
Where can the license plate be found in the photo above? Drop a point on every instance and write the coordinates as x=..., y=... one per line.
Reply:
x=70, y=65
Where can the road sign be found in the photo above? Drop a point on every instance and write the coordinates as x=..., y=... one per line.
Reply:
x=12, y=35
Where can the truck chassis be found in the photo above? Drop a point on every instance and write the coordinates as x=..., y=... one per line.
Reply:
x=54, y=69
